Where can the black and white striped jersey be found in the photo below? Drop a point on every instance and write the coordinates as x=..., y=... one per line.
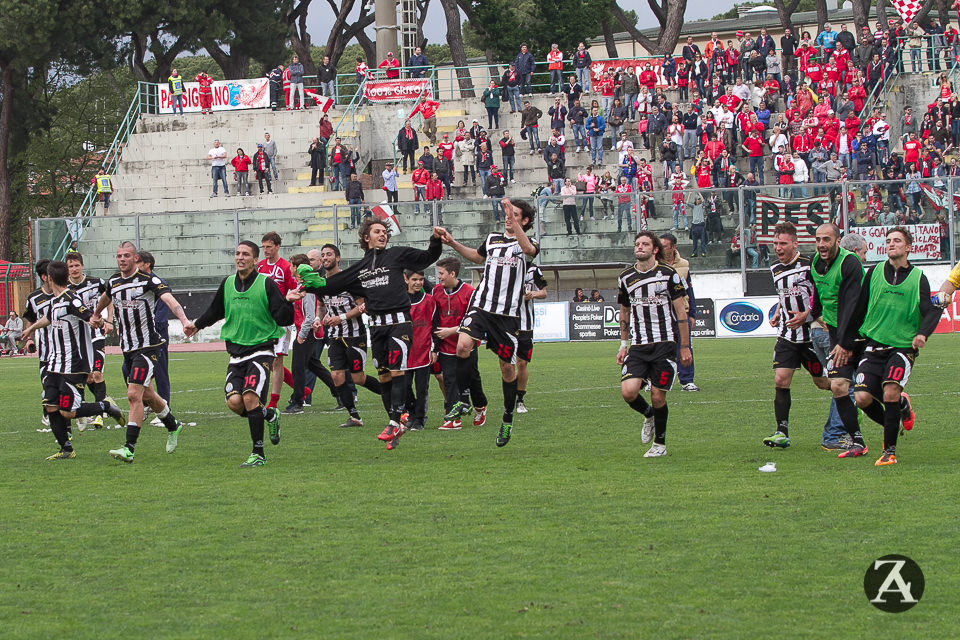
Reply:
x=38, y=303
x=533, y=280
x=134, y=302
x=341, y=304
x=386, y=319
x=795, y=288
x=501, y=290
x=89, y=290
x=71, y=340
x=649, y=296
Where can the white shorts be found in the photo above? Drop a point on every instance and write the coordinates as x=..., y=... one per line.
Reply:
x=285, y=342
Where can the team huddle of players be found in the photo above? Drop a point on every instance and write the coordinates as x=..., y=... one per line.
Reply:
x=877, y=320
x=411, y=332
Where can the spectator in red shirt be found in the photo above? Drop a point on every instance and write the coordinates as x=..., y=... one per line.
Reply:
x=392, y=65
x=241, y=167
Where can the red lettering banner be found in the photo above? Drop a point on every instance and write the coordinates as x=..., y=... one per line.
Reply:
x=408, y=89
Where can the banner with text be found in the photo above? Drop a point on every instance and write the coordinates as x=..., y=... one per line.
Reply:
x=397, y=90
x=745, y=317
x=926, y=241
x=228, y=95
x=594, y=321
x=705, y=322
x=805, y=213
x=550, y=321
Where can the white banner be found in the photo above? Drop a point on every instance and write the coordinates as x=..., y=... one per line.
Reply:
x=551, y=321
x=926, y=241
x=745, y=317
x=228, y=95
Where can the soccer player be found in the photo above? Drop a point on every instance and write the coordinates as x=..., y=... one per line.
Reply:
x=69, y=359
x=837, y=274
x=423, y=352
x=146, y=262
x=494, y=313
x=134, y=295
x=651, y=313
x=346, y=340
x=280, y=271
x=896, y=316
x=453, y=299
x=949, y=287
x=534, y=288
x=794, y=348
x=89, y=290
x=38, y=301
x=378, y=278
x=256, y=316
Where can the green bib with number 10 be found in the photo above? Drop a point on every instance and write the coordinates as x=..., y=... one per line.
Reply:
x=893, y=310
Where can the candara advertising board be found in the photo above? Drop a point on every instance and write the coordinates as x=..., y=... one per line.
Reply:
x=745, y=317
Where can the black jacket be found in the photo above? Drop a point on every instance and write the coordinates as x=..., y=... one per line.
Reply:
x=407, y=144
x=354, y=190
x=495, y=185
x=378, y=278
x=326, y=72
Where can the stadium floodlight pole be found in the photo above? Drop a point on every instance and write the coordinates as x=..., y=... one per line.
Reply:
x=743, y=244
x=136, y=229
x=951, y=222
x=236, y=227
x=336, y=226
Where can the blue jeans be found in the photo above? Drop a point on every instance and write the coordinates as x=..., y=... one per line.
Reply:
x=630, y=99
x=219, y=173
x=596, y=149
x=915, y=60
x=677, y=216
x=420, y=194
x=623, y=211
x=556, y=78
x=497, y=209
x=513, y=93
x=699, y=233
x=533, y=137
x=508, y=164
x=580, y=135
x=335, y=174
x=587, y=201
x=605, y=104
x=178, y=100
x=756, y=168
x=525, y=83
x=355, y=212
x=273, y=167
x=844, y=159
x=833, y=429
x=558, y=184
x=754, y=257
x=484, y=174
x=583, y=78
x=326, y=89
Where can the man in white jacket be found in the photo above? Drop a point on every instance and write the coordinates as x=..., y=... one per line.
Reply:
x=801, y=175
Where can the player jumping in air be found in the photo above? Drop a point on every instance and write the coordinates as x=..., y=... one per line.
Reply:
x=134, y=295
x=378, y=278
x=651, y=311
x=794, y=349
x=896, y=316
x=494, y=313
x=256, y=315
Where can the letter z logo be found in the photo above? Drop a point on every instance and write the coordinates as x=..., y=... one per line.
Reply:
x=893, y=583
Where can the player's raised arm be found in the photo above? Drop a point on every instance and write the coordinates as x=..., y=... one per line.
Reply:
x=471, y=254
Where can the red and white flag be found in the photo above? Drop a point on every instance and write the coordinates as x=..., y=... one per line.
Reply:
x=385, y=214
x=907, y=9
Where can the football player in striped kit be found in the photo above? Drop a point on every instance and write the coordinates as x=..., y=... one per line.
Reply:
x=37, y=303
x=794, y=348
x=494, y=313
x=651, y=313
x=534, y=288
x=69, y=360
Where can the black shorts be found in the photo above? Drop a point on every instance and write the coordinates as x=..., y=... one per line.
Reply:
x=501, y=333
x=435, y=367
x=654, y=362
x=390, y=346
x=250, y=374
x=43, y=371
x=99, y=347
x=347, y=354
x=525, y=346
x=141, y=365
x=880, y=366
x=64, y=390
x=793, y=355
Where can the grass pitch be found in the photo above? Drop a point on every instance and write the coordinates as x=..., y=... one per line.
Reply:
x=565, y=533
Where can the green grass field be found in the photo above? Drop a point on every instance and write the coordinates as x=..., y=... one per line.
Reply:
x=565, y=533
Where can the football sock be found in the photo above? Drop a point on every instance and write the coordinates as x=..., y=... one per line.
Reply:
x=99, y=390
x=509, y=399
x=89, y=409
x=660, y=424
x=398, y=398
x=58, y=424
x=167, y=418
x=875, y=412
x=640, y=405
x=848, y=414
x=370, y=383
x=781, y=409
x=287, y=377
x=520, y=394
x=891, y=426
x=904, y=408
x=255, y=419
x=133, y=432
x=464, y=375
x=274, y=400
x=270, y=414
x=346, y=399
x=386, y=391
